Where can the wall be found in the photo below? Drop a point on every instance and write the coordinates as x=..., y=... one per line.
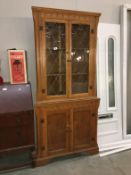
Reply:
x=109, y=9
x=16, y=25
x=17, y=33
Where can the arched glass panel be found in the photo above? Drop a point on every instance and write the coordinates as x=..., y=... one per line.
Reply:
x=111, y=84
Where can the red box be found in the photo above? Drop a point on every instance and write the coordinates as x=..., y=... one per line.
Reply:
x=17, y=64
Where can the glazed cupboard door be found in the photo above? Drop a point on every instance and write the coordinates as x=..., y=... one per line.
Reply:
x=53, y=52
x=81, y=59
x=67, y=60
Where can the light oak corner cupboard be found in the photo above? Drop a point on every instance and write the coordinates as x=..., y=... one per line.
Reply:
x=66, y=105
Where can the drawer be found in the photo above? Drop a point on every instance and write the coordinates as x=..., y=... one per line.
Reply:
x=8, y=138
x=16, y=119
x=27, y=135
x=16, y=136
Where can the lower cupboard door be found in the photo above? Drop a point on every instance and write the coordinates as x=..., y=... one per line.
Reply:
x=81, y=128
x=57, y=132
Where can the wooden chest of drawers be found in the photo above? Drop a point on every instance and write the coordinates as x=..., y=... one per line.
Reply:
x=16, y=117
x=16, y=130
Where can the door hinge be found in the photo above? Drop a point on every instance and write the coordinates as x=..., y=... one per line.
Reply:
x=41, y=28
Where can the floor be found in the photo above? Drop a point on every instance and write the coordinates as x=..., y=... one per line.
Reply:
x=116, y=164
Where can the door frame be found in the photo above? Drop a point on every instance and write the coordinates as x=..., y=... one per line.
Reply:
x=124, y=58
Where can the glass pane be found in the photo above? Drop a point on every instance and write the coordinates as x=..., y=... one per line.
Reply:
x=80, y=58
x=55, y=58
x=111, y=72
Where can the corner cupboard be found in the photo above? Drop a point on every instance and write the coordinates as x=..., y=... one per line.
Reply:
x=66, y=105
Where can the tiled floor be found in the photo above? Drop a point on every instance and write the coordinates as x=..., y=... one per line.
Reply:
x=116, y=164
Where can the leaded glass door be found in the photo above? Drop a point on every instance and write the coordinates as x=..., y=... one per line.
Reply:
x=68, y=59
x=55, y=53
x=80, y=58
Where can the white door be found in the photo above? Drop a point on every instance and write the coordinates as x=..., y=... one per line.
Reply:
x=108, y=84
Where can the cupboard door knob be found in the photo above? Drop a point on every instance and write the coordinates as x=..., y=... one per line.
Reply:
x=93, y=139
x=41, y=28
x=93, y=114
x=42, y=121
x=91, y=87
x=43, y=91
x=43, y=148
x=92, y=31
x=68, y=60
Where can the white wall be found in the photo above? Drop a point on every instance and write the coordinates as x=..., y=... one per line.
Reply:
x=16, y=25
x=18, y=33
x=22, y=8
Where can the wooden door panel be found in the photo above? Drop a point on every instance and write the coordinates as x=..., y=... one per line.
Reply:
x=57, y=136
x=81, y=128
